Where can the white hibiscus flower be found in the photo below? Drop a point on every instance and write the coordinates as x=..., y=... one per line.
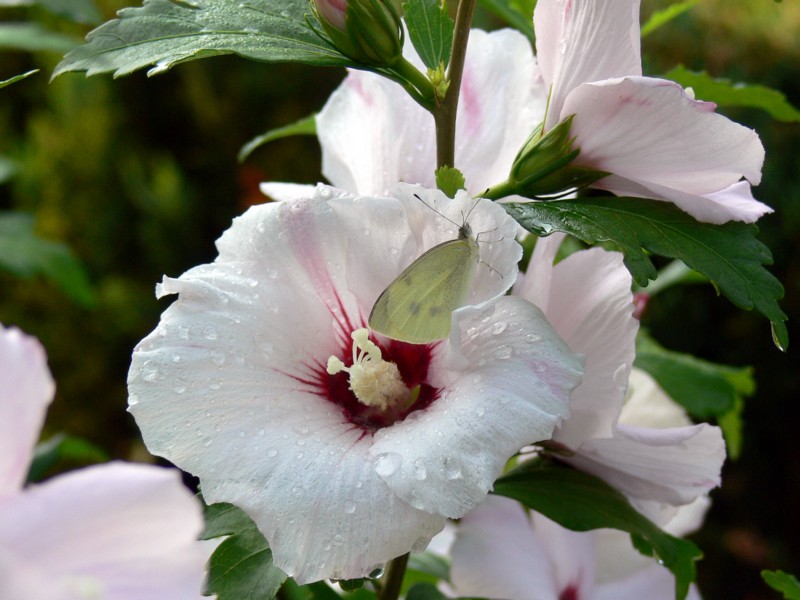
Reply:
x=234, y=387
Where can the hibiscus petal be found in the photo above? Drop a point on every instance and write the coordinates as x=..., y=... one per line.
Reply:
x=26, y=390
x=373, y=134
x=504, y=380
x=498, y=554
x=653, y=583
x=673, y=465
x=128, y=530
x=650, y=131
x=734, y=203
x=280, y=191
x=589, y=304
x=584, y=40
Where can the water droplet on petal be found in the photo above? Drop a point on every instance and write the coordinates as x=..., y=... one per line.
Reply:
x=386, y=464
x=350, y=507
x=419, y=470
x=499, y=327
x=210, y=332
x=377, y=572
x=452, y=470
x=503, y=352
x=272, y=452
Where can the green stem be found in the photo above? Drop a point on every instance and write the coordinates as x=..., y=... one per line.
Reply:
x=394, y=578
x=413, y=79
x=446, y=111
x=501, y=190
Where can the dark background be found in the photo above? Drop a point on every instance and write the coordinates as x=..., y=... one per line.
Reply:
x=139, y=176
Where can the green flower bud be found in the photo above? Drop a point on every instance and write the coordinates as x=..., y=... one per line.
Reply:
x=369, y=31
x=543, y=167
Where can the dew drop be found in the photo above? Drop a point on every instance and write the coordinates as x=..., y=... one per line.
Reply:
x=210, y=332
x=350, y=507
x=272, y=452
x=419, y=470
x=532, y=338
x=499, y=327
x=324, y=193
x=377, y=572
x=133, y=400
x=452, y=470
x=503, y=352
x=218, y=358
x=386, y=464
x=150, y=371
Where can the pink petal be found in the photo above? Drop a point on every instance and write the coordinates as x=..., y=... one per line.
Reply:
x=651, y=132
x=672, y=466
x=579, y=41
x=498, y=554
x=26, y=390
x=589, y=304
x=653, y=583
x=129, y=530
x=505, y=379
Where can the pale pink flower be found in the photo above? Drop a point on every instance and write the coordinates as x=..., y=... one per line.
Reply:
x=652, y=135
x=374, y=135
x=658, y=464
x=235, y=383
x=114, y=532
x=502, y=551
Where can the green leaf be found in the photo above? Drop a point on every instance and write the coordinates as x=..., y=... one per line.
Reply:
x=167, y=32
x=581, y=502
x=729, y=254
x=703, y=388
x=32, y=37
x=241, y=566
x=732, y=425
x=62, y=448
x=784, y=583
x=430, y=29
x=450, y=180
x=665, y=15
x=26, y=255
x=78, y=11
x=305, y=126
x=6, y=166
x=518, y=14
x=431, y=564
x=723, y=92
x=425, y=591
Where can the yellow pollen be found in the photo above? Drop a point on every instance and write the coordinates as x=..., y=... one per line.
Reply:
x=374, y=381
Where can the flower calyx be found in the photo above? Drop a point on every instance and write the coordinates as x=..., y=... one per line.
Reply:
x=369, y=31
x=543, y=167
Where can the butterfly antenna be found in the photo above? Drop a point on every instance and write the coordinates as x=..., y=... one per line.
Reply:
x=445, y=217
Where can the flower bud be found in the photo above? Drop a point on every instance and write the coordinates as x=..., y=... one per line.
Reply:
x=369, y=31
x=332, y=12
x=543, y=167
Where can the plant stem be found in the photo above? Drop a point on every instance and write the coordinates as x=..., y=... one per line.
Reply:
x=394, y=578
x=446, y=111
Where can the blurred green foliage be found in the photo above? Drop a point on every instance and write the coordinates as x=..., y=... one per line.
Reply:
x=139, y=176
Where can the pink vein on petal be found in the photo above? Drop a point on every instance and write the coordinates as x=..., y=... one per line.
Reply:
x=300, y=221
x=470, y=106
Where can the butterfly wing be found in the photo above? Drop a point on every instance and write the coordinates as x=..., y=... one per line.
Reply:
x=417, y=306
